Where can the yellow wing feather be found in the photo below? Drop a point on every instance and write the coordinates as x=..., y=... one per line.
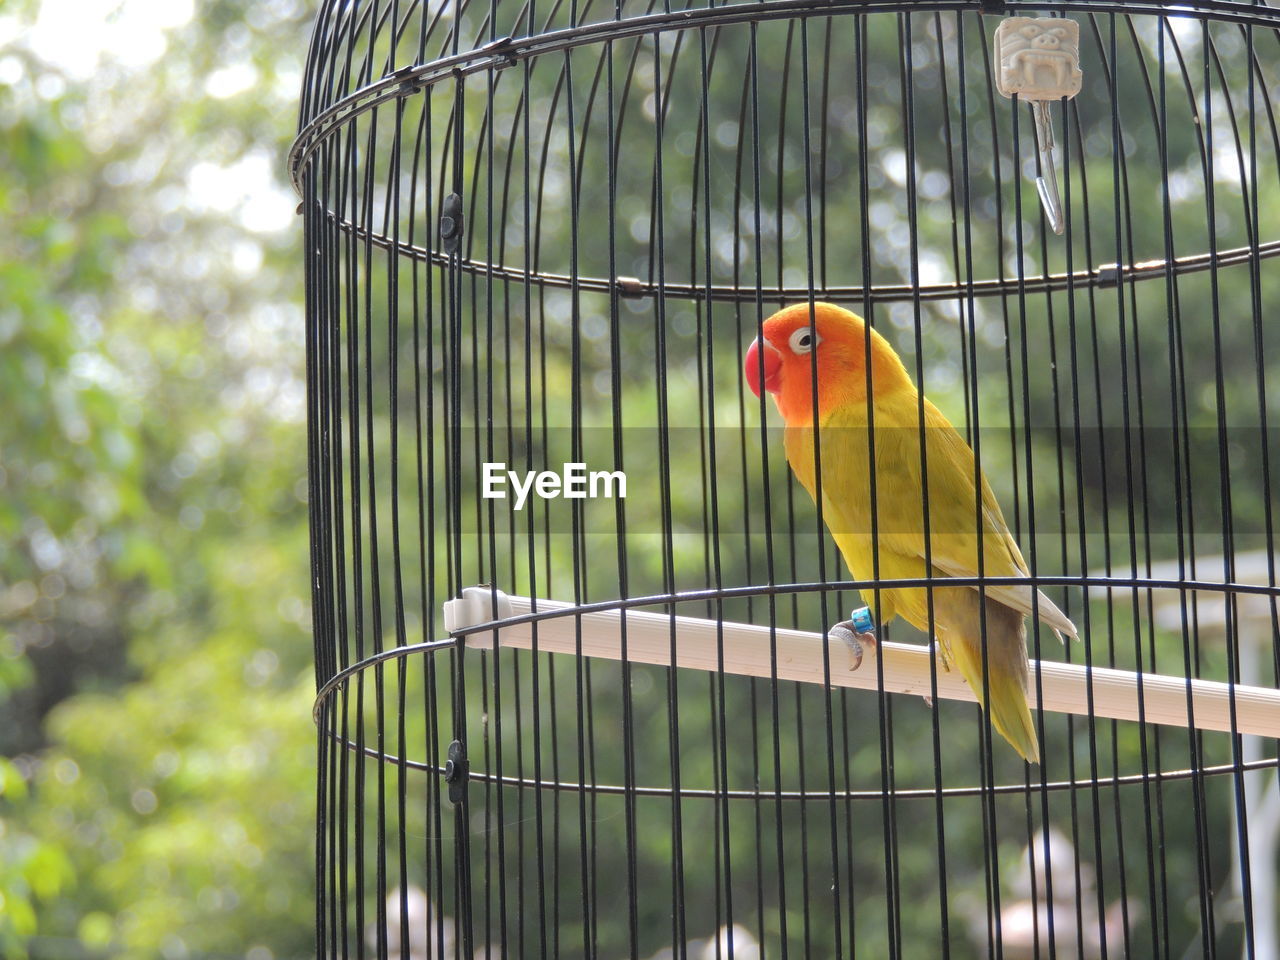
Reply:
x=900, y=528
x=894, y=547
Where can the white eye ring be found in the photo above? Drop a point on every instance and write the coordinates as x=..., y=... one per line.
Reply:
x=803, y=340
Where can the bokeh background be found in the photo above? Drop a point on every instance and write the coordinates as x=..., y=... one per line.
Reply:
x=156, y=680
x=156, y=746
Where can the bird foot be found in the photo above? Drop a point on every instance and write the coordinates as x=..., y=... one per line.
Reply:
x=857, y=633
x=856, y=642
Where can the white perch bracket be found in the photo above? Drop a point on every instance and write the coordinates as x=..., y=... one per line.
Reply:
x=907, y=669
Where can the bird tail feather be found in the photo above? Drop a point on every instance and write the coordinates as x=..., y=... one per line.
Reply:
x=1011, y=717
x=1006, y=678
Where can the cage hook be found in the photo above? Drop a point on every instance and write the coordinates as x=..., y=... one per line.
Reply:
x=503, y=50
x=457, y=770
x=1039, y=61
x=451, y=220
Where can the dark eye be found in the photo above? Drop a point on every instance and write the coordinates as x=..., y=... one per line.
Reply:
x=802, y=340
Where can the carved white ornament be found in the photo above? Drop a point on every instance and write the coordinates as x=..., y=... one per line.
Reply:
x=1039, y=58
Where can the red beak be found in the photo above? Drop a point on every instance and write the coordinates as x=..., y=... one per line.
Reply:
x=772, y=361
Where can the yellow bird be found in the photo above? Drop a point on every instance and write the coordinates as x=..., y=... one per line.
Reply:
x=783, y=362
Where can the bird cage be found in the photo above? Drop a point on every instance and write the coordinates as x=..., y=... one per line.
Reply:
x=594, y=677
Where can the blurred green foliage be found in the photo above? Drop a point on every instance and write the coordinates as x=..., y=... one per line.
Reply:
x=155, y=662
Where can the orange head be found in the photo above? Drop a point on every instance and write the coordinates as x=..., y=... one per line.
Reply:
x=784, y=360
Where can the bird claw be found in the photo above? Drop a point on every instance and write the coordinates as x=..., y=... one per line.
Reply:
x=847, y=632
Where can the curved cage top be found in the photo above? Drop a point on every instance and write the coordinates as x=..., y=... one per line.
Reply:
x=361, y=59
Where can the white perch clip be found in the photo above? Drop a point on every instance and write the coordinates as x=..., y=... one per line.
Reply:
x=906, y=667
x=1038, y=60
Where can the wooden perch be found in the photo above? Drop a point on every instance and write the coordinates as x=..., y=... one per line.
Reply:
x=906, y=666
